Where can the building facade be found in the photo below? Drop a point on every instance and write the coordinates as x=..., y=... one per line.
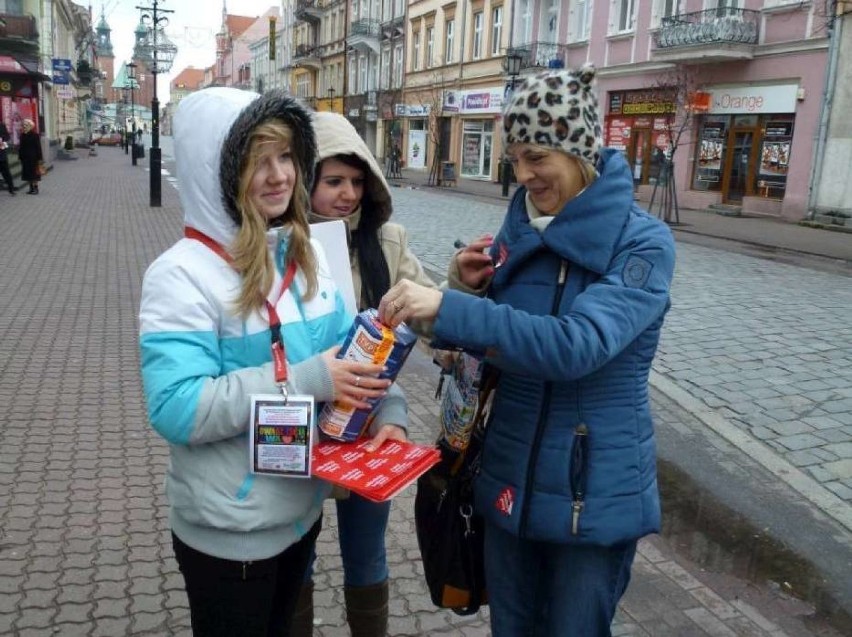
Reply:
x=455, y=86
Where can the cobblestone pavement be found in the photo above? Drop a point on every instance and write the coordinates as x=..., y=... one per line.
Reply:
x=84, y=544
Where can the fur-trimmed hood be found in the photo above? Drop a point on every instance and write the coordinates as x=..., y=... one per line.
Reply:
x=336, y=136
x=211, y=133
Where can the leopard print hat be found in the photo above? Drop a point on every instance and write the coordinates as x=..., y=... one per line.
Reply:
x=556, y=109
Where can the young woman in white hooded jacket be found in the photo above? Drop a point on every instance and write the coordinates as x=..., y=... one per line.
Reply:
x=208, y=335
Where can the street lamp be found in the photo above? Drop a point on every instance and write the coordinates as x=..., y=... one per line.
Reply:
x=513, y=69
x=331, y=98
x=158, y=52
x=131, y=75
x=124, y=91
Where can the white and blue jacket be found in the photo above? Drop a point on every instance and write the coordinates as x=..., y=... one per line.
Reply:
x=201, y=361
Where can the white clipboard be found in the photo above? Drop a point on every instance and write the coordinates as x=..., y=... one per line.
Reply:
x=332, y=236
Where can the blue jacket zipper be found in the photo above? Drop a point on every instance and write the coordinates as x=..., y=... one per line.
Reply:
x=545, y=407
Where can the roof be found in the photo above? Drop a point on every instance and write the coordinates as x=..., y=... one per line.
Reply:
x=189, y=78
x=238, y=23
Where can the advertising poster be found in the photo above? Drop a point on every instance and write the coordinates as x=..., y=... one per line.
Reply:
x=417, y=149
x=618, y=132
x=471, y=150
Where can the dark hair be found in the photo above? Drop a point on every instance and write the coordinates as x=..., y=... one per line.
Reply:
x=372, y=265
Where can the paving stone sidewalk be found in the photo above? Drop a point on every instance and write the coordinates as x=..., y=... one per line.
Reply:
x=84, y=543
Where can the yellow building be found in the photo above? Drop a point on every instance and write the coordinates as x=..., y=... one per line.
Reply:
x=454, y=86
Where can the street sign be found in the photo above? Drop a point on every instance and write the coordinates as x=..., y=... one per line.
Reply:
x=61, y=71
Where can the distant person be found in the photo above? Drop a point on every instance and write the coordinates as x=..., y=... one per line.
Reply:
x=246, y=283
x=578, y=282
x=29, y=152
x=4, y=159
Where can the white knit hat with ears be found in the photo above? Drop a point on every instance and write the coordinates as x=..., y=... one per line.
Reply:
x=556, y=109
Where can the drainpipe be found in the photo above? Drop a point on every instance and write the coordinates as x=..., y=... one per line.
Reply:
x=827, y=101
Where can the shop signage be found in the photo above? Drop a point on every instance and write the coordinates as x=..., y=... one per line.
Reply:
x=412, y=110
x=61, y=71
x=754, y=99
x=486, y=100
x=64, y=92
x=9, y=64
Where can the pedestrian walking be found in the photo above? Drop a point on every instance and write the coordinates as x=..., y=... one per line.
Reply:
x=29, y=152
x=349, y=185
x=578, y=285
x=246, y=275
x=4, y=159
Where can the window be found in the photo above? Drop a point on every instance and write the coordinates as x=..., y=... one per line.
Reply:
x=415, y=52
x=496, y=30
x=580, y=19
x=430, y=47
x=385, y=70
x=625, y=15
x=353, y=75
x=663, y=9
x=397, y=66
x=362, y=74
x=449, y=55
x=477, y=35
x=303, y=85
x=525, y=13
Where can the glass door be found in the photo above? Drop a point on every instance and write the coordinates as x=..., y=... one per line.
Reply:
x=738, y=166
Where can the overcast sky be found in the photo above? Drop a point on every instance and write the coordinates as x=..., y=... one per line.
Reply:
x=192, y=27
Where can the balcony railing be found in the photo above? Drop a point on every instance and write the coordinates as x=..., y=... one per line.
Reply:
x=309, y=10
x=20, y=27
x=722, y=25
x=365, y=27
x=541, y=54
x=306, y=51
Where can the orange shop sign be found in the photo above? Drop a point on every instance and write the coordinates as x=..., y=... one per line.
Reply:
x=754, y=99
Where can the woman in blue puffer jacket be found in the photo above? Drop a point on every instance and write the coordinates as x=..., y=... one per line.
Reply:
x=578, y=282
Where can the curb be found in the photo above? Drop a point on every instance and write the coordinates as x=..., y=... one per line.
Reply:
x=809, y=488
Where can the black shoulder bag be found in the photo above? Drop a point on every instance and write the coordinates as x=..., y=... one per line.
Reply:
x=449, y=532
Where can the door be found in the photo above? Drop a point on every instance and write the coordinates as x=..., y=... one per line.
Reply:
x=738, y=166
x=640, y=143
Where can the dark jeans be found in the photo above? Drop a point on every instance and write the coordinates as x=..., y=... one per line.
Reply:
x=250, y=599
x=7, y=174
x=538, y=589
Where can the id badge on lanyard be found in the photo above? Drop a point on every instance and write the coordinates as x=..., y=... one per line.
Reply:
x=281, y=426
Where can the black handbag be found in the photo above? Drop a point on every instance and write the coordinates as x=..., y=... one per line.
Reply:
x=449, y=532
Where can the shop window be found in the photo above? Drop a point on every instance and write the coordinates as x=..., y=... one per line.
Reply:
x=710, y=153
x=774, y=160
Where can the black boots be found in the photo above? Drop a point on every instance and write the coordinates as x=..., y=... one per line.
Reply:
x=303, y=618
x=33, y=189
x=367, y=609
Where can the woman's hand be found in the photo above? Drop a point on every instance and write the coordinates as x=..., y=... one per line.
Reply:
x=388, y=431
x=475, y=266
x=408, y=300
x=354, y=382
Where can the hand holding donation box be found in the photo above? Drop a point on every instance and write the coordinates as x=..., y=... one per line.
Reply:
x=376, y=475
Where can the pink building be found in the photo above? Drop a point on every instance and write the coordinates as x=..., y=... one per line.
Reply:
x=233, y=56
x=743, y=81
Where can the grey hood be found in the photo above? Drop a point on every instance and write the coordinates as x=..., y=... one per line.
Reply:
x=211, y=136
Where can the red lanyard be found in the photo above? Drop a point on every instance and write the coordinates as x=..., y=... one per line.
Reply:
x=279, y=352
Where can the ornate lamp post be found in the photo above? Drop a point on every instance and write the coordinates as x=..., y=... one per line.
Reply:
x=124, y=92
x=513, y=69
x=158, y=52
x=131, y=76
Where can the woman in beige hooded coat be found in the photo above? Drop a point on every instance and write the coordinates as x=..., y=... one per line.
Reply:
x=349, y=185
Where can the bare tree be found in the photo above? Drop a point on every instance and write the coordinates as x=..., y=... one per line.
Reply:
x=431, y=97
x=680, y=88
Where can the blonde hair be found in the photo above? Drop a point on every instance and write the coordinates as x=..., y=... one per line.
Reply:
x=249, y=249
x=27, y=123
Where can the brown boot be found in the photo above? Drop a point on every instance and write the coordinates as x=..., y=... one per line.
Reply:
x=367, y=609
x=303, y=618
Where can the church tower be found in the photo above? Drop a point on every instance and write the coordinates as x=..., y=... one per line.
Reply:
x=105, y=57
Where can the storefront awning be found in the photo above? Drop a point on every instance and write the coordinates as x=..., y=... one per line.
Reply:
x=11, y=65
